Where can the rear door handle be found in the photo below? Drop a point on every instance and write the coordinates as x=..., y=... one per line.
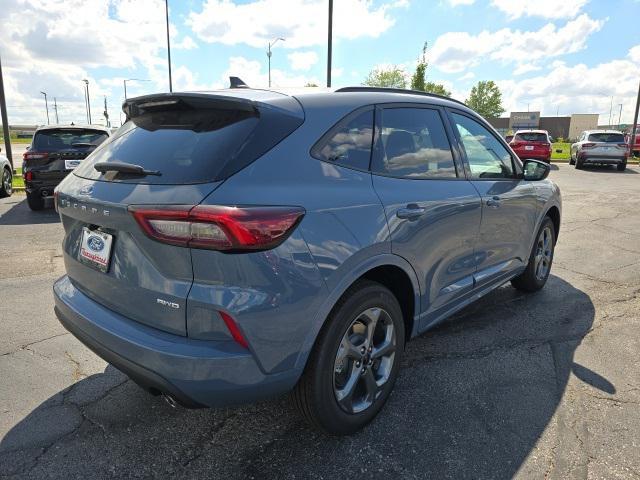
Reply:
x=411, y=212
x=493, y=202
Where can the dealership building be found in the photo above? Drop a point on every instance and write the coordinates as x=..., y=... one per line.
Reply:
x=558, y=127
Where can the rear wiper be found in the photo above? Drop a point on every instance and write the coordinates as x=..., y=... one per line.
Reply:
x=127, y=168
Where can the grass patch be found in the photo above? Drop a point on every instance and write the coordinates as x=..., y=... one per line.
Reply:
x=564, y=155
x=16, y=140
x=18, y=182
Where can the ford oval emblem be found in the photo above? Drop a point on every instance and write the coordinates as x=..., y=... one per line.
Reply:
x=95, y=243
x=86, y=190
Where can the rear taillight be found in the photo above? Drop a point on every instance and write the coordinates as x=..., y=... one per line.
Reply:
x=218, y=227
x=34, y=155
x=588, y=145
x=28, y=176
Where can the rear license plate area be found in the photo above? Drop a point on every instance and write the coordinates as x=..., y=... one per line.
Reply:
x=95, y=249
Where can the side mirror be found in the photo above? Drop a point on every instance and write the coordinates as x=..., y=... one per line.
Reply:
x=535, y=170
x=558, y=150
x=28, y=147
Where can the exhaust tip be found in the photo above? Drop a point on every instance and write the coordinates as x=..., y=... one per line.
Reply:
x=170, y=400
x=45, y=193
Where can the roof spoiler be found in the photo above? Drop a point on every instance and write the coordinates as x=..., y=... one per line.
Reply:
x=236, y=82
x=134, y=107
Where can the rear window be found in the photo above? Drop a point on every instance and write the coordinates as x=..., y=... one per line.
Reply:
x=67, y=139
x=532, y=137
x=606, y=137
x=186, y=146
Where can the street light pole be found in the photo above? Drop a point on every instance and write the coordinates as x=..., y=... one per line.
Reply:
x=619, y=116
x=330, y=43
x=166, y=4
x=271, y=44
x=86, y=83
x=5, y=120
x=55, y=107
x=632, y=138
x=46, y=104
x=611, y=111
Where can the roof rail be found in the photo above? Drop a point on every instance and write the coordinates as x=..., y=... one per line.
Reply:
x=397, y=90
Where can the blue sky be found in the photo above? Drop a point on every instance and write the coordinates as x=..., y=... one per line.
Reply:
x=566, y=57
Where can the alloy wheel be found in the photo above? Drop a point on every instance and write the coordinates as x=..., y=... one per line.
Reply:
x=364, y=360
x=544, y=254
x=7, y=182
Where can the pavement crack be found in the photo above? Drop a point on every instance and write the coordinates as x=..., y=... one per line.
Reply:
x=27, y=345
x=78, y=374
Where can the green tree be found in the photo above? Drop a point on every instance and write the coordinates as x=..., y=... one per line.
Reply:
x=418, y=79
x=392, y=77
x=486, y=99
x=310, y=84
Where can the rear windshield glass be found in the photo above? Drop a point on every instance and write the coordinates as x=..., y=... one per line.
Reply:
x=532, y=137
x=69, y=139
x=606, y=137
x=185, y=146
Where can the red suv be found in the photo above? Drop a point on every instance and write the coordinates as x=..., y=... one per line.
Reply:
x=636, y=145
x=534, y=144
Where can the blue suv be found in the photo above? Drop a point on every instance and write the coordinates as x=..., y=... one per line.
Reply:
x=229, y=246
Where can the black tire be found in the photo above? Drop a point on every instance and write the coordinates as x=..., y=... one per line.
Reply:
x=529, y=280
x=315, y=395
x=621, y=167
x=571, y=160
x=35, y=201
x=6, y=186
x=579, y=165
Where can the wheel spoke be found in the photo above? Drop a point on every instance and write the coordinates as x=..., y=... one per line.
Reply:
x=372, y=315
x=345, y=394
x=384, y=350
x=371, y=385
x=347, y=349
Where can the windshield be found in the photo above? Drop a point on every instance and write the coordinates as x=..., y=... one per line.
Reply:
x=607, y=137
x=532, y=137
x=67, y=139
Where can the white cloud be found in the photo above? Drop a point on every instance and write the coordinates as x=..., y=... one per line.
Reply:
x=456, y=51
x=302, y=22
x=577, y=89
x=467, y=76
x=187, y=43
x=634, y=54
x=302, y=60
x=523, y=68
x=552, y=9
x=254, y=74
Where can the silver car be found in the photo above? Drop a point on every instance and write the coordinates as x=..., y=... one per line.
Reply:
x=604, y=147
x=6, y=177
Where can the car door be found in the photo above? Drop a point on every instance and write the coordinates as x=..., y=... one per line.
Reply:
x=509, y=207
x=433, y=212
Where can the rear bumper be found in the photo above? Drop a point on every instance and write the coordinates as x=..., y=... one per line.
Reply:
x=195, y=372
x=603, y=160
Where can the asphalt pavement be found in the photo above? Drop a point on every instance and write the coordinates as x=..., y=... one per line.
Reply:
x=528, y=386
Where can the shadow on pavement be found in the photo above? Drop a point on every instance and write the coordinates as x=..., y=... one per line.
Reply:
x=608, y=169
x=472, y=401
x=19, y=213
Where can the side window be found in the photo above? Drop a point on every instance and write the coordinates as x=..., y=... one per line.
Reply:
x=348, y=143
x=413, y=144
x=487, y=157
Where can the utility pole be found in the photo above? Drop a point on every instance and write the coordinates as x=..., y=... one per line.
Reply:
x=610, y=111
x=166, y=4
x=329, y=43
x=55, y=107
x=619, y=116
x=46, y=104
x=632, y=138
x=5, y=119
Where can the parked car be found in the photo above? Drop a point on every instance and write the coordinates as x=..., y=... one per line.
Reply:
x=636, y=143
x=532, y=144
x=53, y=153
x=602, y=147
x=230, y=246
x=6, y=176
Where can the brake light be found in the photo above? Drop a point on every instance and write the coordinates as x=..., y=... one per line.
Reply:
x=34, y=155
x=218, y=227
x=235, y=332
x=588, y=145
x=28, y=176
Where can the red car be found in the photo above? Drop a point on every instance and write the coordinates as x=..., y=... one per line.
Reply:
x=636, y=145
x=534, y=144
